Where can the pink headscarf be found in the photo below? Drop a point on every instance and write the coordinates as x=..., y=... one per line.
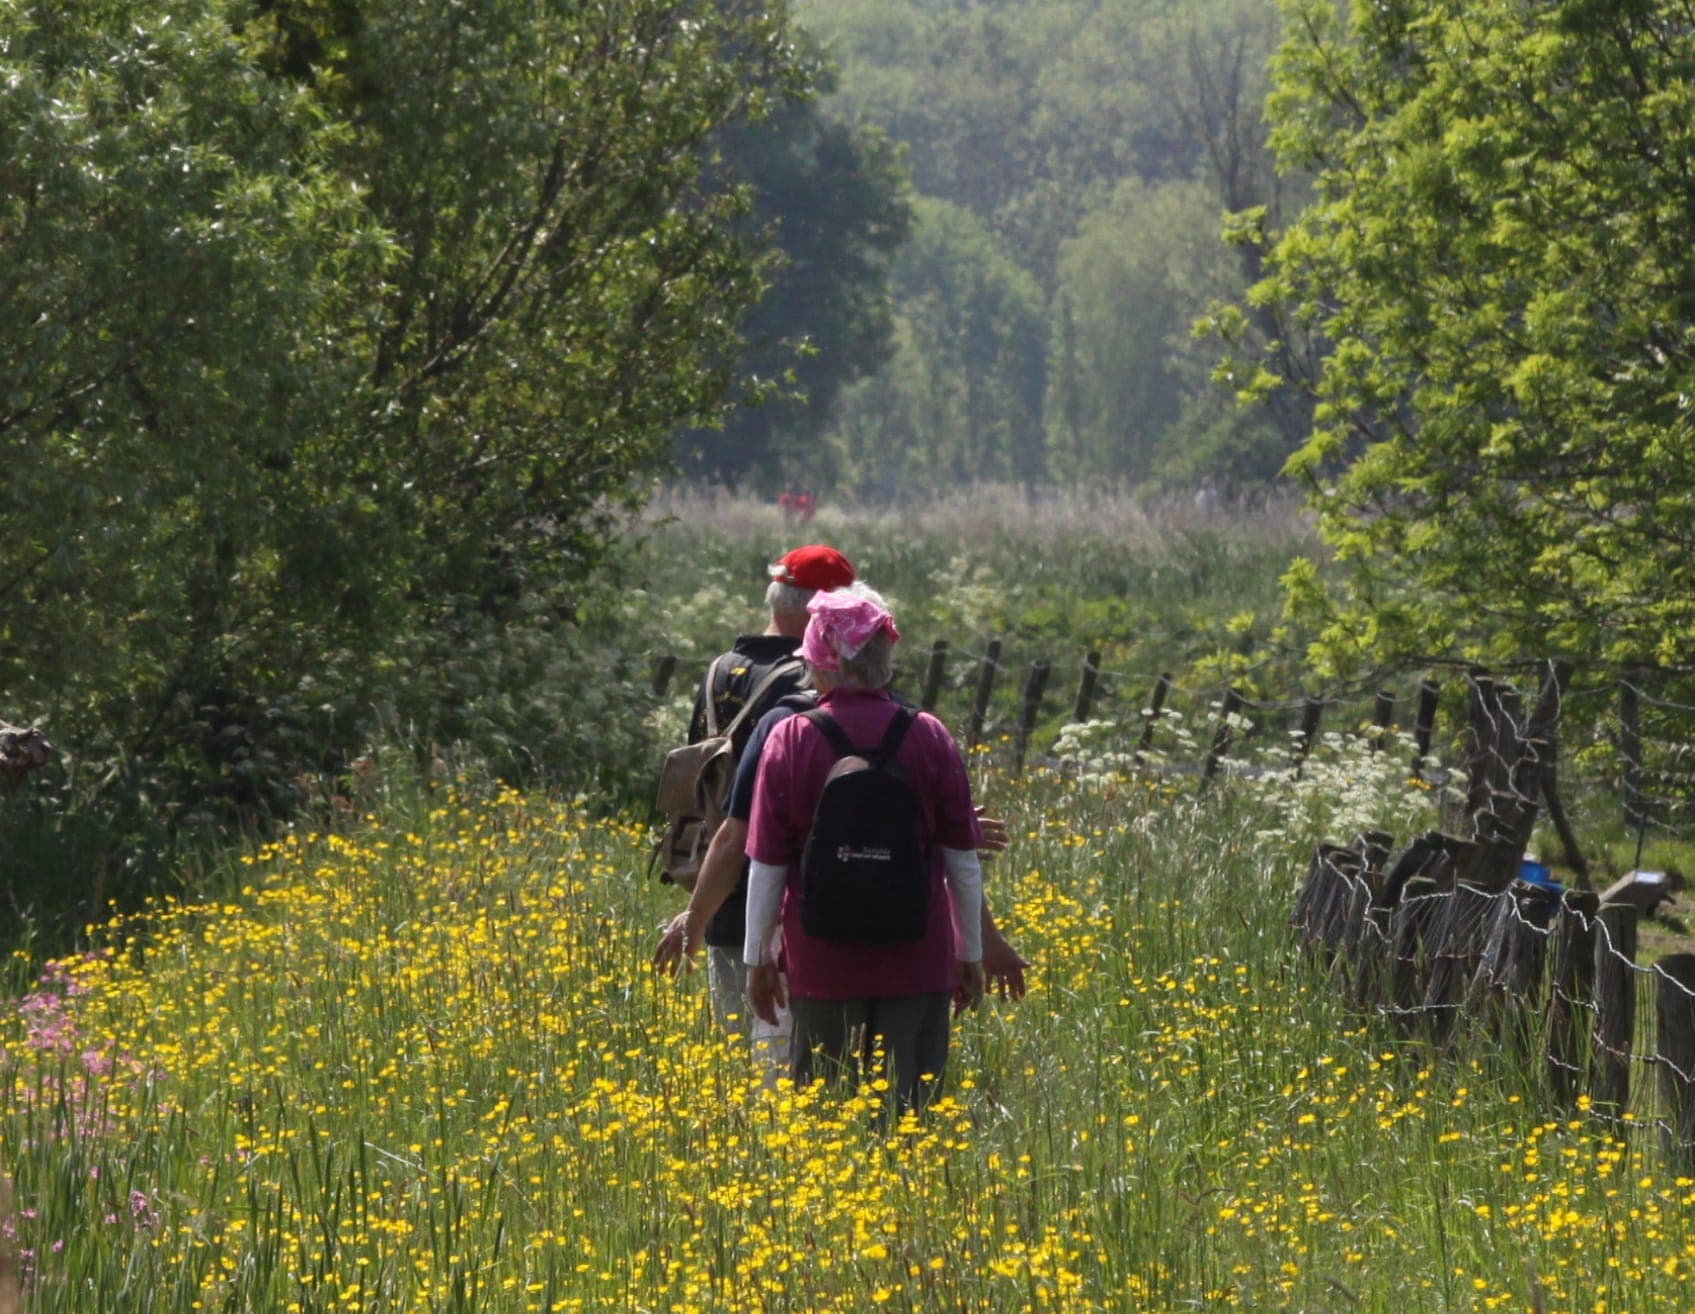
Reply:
x=841, y=623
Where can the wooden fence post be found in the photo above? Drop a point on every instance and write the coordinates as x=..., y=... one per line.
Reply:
x=1411, y=930
x=1572, y=985
x=1361, y=937
x=1312, y=716
x=1456, y=949
x=1320, y=907
x=663, y=669
x=1382, y=717
x=1029, y=708
x=1675, y=1053
x=1424, y=722
x=1491, y=743
x=1086, y=687
x=1232, y=707
x=1615, y=1009
x=933, y=675
x=987, y=669
x=1156, y=705
x=1630, y=754
x=1507, y=988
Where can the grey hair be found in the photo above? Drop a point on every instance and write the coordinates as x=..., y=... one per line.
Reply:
x=873, y=667
x=786, y=597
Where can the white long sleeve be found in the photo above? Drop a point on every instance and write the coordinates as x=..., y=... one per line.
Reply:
x=965, y=895
x=765, y=882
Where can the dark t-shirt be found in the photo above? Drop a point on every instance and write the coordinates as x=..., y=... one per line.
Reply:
x=742, y=668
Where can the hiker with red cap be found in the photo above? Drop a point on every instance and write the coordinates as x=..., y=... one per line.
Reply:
x=759, y=669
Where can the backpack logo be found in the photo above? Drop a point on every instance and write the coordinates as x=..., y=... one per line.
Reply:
x=845, y=854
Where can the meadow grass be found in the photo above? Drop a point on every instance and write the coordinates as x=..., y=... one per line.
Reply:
x=416, y=1059
x=1151, y=587
x=420, y=1063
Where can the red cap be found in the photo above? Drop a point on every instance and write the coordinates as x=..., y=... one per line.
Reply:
x=813, y=567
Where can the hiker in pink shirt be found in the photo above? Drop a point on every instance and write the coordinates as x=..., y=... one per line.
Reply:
x=851, y=998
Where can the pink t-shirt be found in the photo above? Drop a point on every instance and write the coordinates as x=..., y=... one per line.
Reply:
x=797, y=757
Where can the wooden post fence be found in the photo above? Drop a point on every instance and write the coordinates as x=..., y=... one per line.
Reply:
x=1615, y=1010
x=1312, y=716
x=1150, y=719
x=1675, y=1054
x=987, y=669
x=1029, y=708
x=1382, y=717
x=1571, y=987
x=1231, y=708
x=933, y=673
x=1424, y=722
x=1086, y=687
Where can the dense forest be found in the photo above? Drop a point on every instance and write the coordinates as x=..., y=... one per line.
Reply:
x=1071, y=166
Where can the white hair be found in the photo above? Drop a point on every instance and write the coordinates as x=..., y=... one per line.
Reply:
x=858, y=590
x=872, y=667
x=786, y=597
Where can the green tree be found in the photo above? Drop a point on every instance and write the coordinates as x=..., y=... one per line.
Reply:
x=1128, y=287
x=1498, y=262
x=169, y=224
x=335, y=333
x=1053, y=125
x=962, y=399
x=831, y=197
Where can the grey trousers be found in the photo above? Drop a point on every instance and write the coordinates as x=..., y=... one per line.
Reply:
x=728, y=979
x=903, y=1037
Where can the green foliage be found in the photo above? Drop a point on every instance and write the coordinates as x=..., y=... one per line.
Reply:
x=962, y=399
x=1494, y=260
x=1095, y=147
x=1128, y=394
x=335, y=337
x=1052, y=578
x=831, y=196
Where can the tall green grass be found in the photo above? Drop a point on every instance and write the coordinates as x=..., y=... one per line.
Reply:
x=1052, y=576
x=420, y=1063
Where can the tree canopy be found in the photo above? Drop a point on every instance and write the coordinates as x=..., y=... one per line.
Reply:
x=333, y=329
x=830, y=196
x=1094, y=146
x=1497, y=267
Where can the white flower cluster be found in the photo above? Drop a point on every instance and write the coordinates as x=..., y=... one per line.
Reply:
x=1346, y=784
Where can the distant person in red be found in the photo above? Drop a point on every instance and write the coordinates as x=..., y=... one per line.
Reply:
x=786, y=504
x=806, y=506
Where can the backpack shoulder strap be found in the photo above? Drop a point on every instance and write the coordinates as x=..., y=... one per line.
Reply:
x=758, y=692
x=832, y=731
x=892, y=738
x=710, y=696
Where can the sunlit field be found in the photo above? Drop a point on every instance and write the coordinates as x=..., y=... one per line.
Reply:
x=422, y=1064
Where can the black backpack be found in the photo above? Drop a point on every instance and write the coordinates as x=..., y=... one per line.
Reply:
x=865, y=872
